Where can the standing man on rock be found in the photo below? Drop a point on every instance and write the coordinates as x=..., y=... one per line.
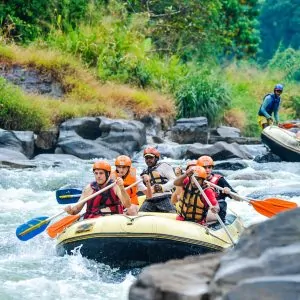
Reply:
x=270, y=105
x=162, y=178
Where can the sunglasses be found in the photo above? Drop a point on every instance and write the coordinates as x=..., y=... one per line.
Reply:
x=207, y=167
x=278, y=91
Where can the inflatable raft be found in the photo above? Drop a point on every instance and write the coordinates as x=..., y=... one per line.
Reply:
x=282, y=143
x=128, y=242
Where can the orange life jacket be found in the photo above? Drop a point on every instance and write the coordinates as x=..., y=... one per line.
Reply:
x=128, y=180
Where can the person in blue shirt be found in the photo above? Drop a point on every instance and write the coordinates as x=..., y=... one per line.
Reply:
x=270, y=106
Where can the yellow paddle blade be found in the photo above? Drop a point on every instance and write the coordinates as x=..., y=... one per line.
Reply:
x=59, y=226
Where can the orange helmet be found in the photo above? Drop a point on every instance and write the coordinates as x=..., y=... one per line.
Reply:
x=200, y=172
x=123, y=160
x=151, y=151
x=102, y=165
x=204, y=161
x=191, y=163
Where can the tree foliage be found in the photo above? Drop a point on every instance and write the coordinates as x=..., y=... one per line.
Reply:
x=202, y=94
x=279, y=25
x=26, y=20
x=198, y=28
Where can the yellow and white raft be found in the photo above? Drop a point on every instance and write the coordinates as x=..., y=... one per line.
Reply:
x=129, y=242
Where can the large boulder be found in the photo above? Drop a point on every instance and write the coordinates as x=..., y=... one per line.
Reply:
x=264, y=264
x=176, y=279
x=45, y=140
x=89, y=138
x=14, y=159
x=230, y=135
x=218, y=151
x=19, y=141
x=188, y=131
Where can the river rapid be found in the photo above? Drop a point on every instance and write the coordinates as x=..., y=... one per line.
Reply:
x=32, y=270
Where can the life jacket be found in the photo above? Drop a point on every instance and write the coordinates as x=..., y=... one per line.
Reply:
x=192, y=206
x=128, y=180
x=155, y=176
x=106, y=199
x=271, y=107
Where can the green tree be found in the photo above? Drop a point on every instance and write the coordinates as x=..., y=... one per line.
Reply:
x=279, y=25
x=26, y=20
x=238, y=24
x=200, y=27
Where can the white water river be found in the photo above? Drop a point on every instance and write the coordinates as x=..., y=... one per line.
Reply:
x=32, y=270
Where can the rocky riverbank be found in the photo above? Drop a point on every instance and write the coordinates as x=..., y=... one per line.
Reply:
x=264, y=264
x=93, y=137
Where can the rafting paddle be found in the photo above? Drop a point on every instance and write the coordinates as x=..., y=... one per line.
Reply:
x=210, y=205
x=267, y=207
x=57, y=227
x=35, y=226
x=289, y=125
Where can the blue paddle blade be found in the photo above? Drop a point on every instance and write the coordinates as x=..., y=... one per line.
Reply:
x=68, y=196
x=32, y=228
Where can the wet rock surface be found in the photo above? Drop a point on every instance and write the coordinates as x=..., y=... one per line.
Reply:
x=265, y=264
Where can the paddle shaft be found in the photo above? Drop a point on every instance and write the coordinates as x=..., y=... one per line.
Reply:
x=231, y=193
x=211, y=206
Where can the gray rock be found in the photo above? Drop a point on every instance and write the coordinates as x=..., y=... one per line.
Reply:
x=265, y=264
x=218, y=151
x=176, y=279
x=89, y=138
x=227, y=131
x=46, y=140
x=268, y=157
x=231, y=165
x=187, y=131
x=19, y=141
x=14, y=159
x=266, y=288
x=33, y=81
x=153, y=125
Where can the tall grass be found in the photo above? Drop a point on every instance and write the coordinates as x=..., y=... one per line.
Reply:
x=17, y=112
x=84, y=94
x=202, y=94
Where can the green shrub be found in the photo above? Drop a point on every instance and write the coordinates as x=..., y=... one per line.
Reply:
x=202, y=94
x=287, y=61
x=26, y=20
x=294, y=105
x=17, y=112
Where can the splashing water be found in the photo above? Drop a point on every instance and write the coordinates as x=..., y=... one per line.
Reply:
x=32, y=270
